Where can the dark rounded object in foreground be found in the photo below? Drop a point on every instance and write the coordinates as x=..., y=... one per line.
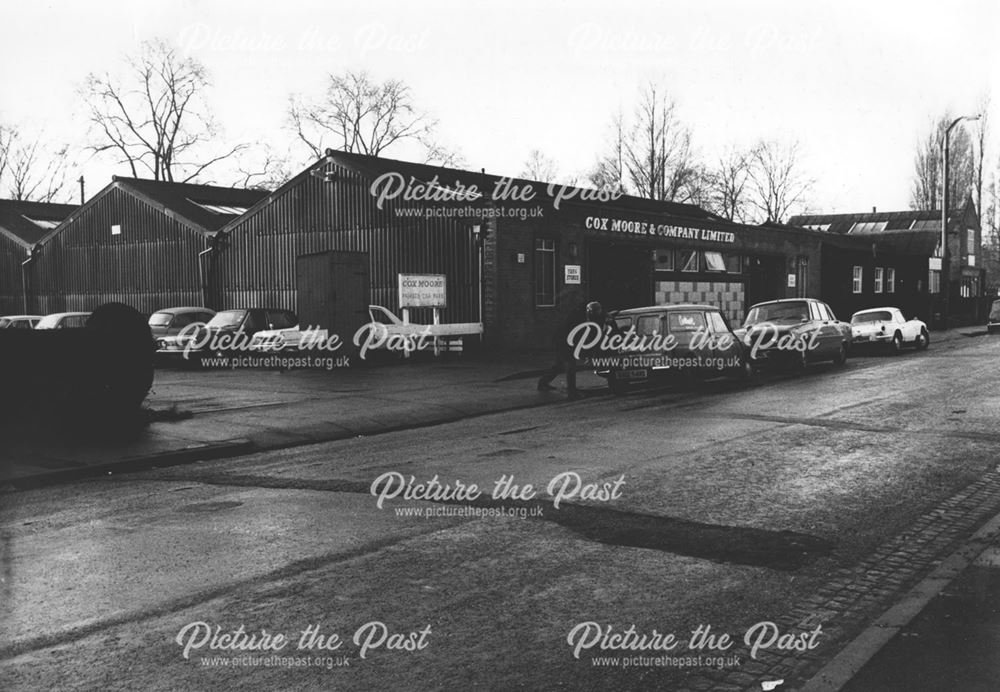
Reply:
x=96, y=374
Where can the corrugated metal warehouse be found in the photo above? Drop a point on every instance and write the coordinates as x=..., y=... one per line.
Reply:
x=138, y=242
x=22, y=227
x=517, y=255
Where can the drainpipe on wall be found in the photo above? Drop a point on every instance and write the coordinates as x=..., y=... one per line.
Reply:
x=24, y=278
x=202, y=276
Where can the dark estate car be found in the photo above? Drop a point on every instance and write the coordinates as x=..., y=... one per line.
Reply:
x=993, y=322
x=232, y=329
x=794, y=331
x=166, y=324
x=63, y=320
x=656, y=343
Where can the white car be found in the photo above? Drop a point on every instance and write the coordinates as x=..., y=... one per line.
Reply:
x=888, y=326
x=19, y=321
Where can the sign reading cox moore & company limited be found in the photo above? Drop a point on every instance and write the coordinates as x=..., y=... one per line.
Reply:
x=423, y=291
x=662, y=230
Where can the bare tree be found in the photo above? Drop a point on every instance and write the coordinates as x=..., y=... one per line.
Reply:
x=979, y=153
x=539, y=167
x=657, y=151
x=261, y=167
x=650, y=154
x=777, y=185
x=926, y=191
x=729, y=185
x=31, y=170
x=155, y=119
x=608, y=172
x=356, y=114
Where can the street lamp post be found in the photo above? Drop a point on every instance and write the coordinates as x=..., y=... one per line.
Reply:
x=945, y=259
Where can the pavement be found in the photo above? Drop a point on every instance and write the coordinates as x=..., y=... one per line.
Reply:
x=941, y=634
x=197, y=415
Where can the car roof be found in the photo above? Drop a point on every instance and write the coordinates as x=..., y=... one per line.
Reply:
x=177, y=311
x=665, y=308
x=786, y=300
x=20, y=317
x=66, y=314
x=877, y=310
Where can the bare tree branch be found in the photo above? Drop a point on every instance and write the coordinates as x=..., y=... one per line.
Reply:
x=777, y=184
x=155, y=118
x=361, y=116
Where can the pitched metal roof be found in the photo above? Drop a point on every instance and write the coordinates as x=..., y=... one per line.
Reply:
x=208, y=206
x=29, y=222
x=372, y=167
x=873, y=223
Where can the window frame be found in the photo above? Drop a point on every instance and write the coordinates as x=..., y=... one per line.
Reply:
x=857, y=279
x=890, y=280
x=879, y=278
x=550, y=256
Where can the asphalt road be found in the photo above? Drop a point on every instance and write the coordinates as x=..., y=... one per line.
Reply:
x=717, y=507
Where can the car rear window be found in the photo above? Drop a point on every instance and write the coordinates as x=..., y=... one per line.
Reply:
x=873, y=316
x=685, y=321
x=159, y=319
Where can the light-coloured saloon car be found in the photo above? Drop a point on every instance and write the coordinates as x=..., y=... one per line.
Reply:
x=887, y=326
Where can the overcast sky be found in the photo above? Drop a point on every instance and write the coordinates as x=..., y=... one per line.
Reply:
x=857, y=83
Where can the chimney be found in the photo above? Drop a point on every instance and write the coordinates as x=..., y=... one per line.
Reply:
x=873, y=210
x=82, y=196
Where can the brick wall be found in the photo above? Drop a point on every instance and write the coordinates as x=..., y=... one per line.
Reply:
x=728, y=296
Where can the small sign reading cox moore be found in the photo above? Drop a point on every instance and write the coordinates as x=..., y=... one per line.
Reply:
x=422, y=291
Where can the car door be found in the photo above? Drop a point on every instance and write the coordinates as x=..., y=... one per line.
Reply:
x=727, y=346
x=827, y=329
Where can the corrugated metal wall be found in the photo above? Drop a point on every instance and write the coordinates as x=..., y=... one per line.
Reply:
x=258, y=266
x=151, y=265
x=11, y=256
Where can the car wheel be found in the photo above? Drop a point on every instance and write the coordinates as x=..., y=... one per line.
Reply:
x=746, y=371
x=617, y=387
x=897, y=343
x=841, y=356
x=799, y=364
x=923, y=340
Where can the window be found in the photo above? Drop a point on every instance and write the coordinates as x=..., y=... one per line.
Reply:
x=890, y=280
x=221, y=208
x=664, y=259
x=934, y=281
x=689, y=260
x=647, y=325
x=829, y=312
x=857, y=282
x=685, y=321
x=970, y=241
x=545, y=272
x=734, y=263
x=879, y=272
x=718, y=323
x=715, y=262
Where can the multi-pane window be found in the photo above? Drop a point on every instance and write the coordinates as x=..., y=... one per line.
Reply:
x=857, y=283
x=689, y=260
x=890, y=280
x=879, y=272
x=934, y=281
x=545, y=272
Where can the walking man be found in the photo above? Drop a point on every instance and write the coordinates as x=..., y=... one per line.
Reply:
x=565, y=361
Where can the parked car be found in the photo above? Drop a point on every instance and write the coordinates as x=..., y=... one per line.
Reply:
x=287, y=339
x=793, y=332
x=19, y=321
x=166, y=324
x=233, y=330
x=888, y=327
x=993, y=321
x=63, y=320
x=662, y=341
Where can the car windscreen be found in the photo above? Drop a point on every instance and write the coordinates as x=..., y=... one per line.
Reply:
x=48, y=322
x=873, y=316
x=160, y=319
x=794, y=311
x=227, y=318
x=995, y=311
